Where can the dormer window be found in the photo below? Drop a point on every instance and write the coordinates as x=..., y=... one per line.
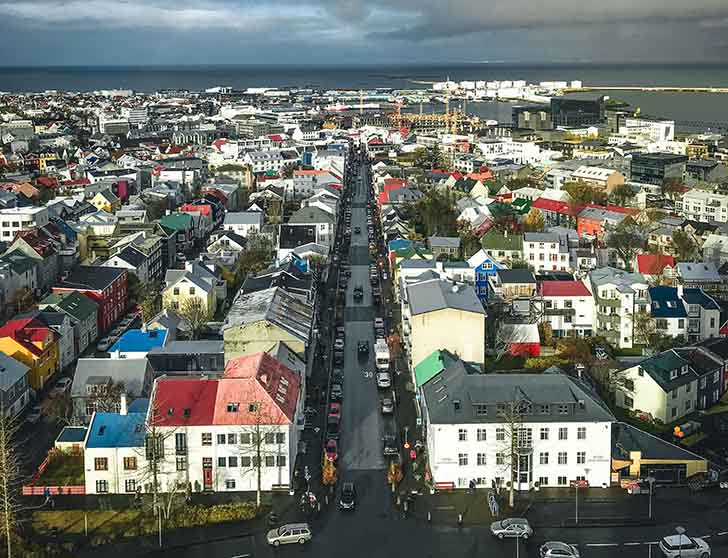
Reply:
x=673, y=374
x=233, y=407
x=684, y=369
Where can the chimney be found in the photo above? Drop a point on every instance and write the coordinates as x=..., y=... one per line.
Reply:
x=122, y=405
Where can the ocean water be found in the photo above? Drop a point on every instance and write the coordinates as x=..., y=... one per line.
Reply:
x=685, y=107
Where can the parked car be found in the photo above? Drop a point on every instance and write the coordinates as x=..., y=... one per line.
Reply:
x=336, y=392
x=333, y=427
x=363, y=348
x=555, y=549
x=387, y=406
x=511, y=527
x=348, y=496
x=338, y=376
x=63, y=385
x=339, y=344
x=389, y=445
x=357, y=230
x=104, y=344
x=289, y=533
x=683, y=546
x=332, y=450
x=335, y=410
x=384, y=380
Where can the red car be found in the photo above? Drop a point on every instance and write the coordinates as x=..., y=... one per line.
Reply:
x=332, y=450
x=335, y=410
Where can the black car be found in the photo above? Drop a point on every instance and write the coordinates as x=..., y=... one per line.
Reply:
x=338, y=358
x=358, y=294
x=333, y=424
x=357, y=230
x=348, y=496
x=363, y=348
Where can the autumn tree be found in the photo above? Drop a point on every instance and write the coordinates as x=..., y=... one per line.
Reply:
x=534, y=221
x=672, y=188
x=583, y=193
x=10, y=479
x=469, y=242
x=684, y=246
x=150, y=303
x=196, y=314
x=626, y=239
x=622, y=193
x=644, y=327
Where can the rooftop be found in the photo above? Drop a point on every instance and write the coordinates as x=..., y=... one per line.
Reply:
x=139, y=341
x=436, y=294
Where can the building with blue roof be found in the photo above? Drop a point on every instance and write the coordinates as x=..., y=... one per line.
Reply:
x=668, y=311
x=136, y=343
x=114, y=453
x=703, y=315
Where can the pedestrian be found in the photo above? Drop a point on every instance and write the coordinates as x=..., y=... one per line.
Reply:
x=472, y=486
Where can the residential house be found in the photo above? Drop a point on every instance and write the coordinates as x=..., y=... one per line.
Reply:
x=444, y=247
x=655, y=267
x=153, y=246
x=618, y=295
x=244, y=223
x=510, y=284
x=547, y=251
x=257, y=320
x=324, y=222
x=136, y=343
x=104, y=285
x=106, y=200
x=83, y=313
x=227, y=242
x=568, y=307
x=603, y=178
x=98, y=382
x=595, y=222
x=183, y=226
x=433, y=306
x=61, y=325
x=39, y=245
x=133, y=260
x=183, y=286
x=503, y=247
x=703, y=314
x=564, y=430
x=30, y=341
x=306, y=182
x=18, y=281
x=16, y=219
x=557, y=212
x=702, y=275
x=484, y=266
x=171, y=321
x=14, y=385
x=668, y=311
x=188, y=358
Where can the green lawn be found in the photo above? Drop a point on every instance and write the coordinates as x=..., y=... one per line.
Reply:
x=63, y=470
x=634, y=351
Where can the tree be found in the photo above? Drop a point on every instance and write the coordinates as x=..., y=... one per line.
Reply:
x=262, y=441
x=469, y=242
x=622, y=193
x=534, y=221
x=583, y=193
x=626, y=239
x=195, y=312
x=546, y=333
x=156, y=209
x=684, y=246
x=435, y=213
x=151, y=301
x=515, y=442
x=135, y=288
x=58, y=406
x=10, y=479
x=644, y=327
x=524, y=182
x=672, y=188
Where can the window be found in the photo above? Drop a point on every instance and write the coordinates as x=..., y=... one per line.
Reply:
x=232, y=461
x=581, y=433
x=543, y=458
x=280, y=438
x=543, y=481
x=568, y=304
x=462, y=459
x=688, y=388
x=180, y=442
x=703, y=382
x=245, y=461
x=270, y=461
x=563, y=433
x=544, y=433
x=130, y=463
x=130, y=485
x=563, y=460
x=101, y=464
x=175, y=291
x=673, y=394
x=269, y=438
x=481, y=459
x=481, y=435
x=628, y=402
x=544, y=409
x=102, y=486
x=500, y=434
x=230, y=484
x=563, y=409
x=232, y=438
x=192, y=290
x=480, y=410
x=281, y=460
x=462, y=435
x=580, y=457
x=221, y=438
x=233, y=407
x=681, y=323
x=207, y=438
x=716, y=377
x=562, y=481
x=221, y=461
x=181, y=463
x=252, y=407
x=499, y=460
x=688, y=404
x=673, y=412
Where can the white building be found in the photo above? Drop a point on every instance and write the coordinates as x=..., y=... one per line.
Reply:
x=654, y=130
x=17, y=219
x=243, y=223
x=564, y=431
x=700, y=205
x=568, y=307
x=557, y=178
x=547, y=251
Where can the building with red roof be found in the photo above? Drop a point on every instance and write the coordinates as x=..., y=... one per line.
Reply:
x=654, y=265
x=213, y=429
x=30, y=341
x=557, y=212
x=568, y=307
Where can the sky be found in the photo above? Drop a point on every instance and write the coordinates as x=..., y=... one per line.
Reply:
x=293, y=32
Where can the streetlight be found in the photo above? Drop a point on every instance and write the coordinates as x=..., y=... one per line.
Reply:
x=576, y=495
x=680, y=531
x=651, y=480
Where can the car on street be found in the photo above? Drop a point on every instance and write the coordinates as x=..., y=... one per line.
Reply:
x=289, y=533
x=555, y=549
x=63, y=385
x=339, y=345
x=357, y=230
x=333, y=426
x=33, y=417
x=389, y=445
x=332, y=450
x=340, y=332
x=511, y=528
x=338, y=358
x=384, y=380
x=683, y=546
x=384, y=276
x=338, y=375
x=363, y=348
x=387, y=406
x=336, y=392
x=347, y=501
x=104, y=344
x=378, y=323
x=335, y=410
x=358, y=293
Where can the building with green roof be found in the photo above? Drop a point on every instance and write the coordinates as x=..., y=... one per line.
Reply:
x=502, y=246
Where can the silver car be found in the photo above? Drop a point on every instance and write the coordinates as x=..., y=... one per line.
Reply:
x=289, y=533
x=511, y=527
x=682, y=546
x=554, y=549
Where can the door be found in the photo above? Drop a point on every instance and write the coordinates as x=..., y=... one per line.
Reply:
x=207, y=473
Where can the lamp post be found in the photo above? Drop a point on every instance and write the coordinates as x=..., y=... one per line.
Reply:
x=651, y=480
x=680, y=531
x=576, y=495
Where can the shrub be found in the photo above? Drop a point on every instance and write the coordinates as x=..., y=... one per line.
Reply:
x=543, y=362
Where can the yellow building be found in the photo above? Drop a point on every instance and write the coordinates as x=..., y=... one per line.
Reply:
x=31, y=342
x=187, y=287
x=106, y=201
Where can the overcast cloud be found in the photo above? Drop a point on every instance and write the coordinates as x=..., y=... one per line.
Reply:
x=39, y=32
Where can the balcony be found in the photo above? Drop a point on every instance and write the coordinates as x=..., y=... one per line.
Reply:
x=559, y=312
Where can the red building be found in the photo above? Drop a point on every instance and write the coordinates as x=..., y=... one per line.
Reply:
x=106, y=286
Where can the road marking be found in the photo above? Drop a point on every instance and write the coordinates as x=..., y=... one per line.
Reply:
x=705, y=537
x=723, y=533
x=602, y=544
x=632, y=544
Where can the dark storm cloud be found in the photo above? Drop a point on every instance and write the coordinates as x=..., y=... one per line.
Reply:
x=368, y=30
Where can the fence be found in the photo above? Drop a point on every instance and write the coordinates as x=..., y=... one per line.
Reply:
x=32, y=490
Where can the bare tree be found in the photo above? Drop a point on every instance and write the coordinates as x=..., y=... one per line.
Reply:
x=515, y=440
x=644, y=327
x=196, y=314
x=262, y=441
x=103, y=398
x=10, y=478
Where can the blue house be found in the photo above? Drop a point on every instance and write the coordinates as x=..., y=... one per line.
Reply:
x=668, y=311
x=485, y=267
